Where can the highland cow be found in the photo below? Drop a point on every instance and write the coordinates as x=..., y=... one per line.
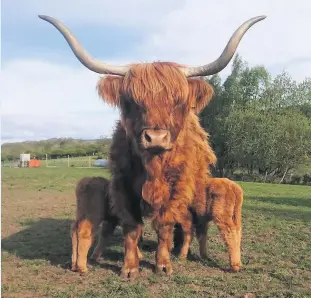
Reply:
x=160, y=155
x=224, y=199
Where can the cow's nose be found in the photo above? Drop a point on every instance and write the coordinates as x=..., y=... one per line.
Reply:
x=156, y=138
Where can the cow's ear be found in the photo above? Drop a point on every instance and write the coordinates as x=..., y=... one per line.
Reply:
x=200, y=93
x=109, y=88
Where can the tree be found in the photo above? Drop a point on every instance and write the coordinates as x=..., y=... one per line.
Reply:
x=247, y=119
x=272, y=142
x=243, y=87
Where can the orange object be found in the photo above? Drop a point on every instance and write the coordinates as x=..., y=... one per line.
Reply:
x=34, y=163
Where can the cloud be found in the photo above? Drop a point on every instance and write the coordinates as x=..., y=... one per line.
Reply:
x=44, y=100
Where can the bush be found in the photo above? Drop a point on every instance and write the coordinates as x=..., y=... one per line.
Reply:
x=296, y=179
x=237, y=177
x=247, y=177
x=306, y=179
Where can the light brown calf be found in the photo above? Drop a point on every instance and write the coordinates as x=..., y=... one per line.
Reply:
x=224, y=207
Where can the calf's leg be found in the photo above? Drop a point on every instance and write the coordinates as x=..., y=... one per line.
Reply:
x=82, y=235
x=187, y=228
x=230, y=234
x=106, y=230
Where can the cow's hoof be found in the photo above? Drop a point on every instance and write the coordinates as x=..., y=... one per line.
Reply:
x=129, y=274
x=82, y=270
x=76, y=268
x=167, y=268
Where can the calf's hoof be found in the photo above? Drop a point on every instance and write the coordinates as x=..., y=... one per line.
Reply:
x=235, y=268
x=95, y=257
x=140, y=255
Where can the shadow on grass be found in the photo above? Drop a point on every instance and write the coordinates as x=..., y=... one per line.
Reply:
x=208, y=262
x=49, y=239
x=286, y=201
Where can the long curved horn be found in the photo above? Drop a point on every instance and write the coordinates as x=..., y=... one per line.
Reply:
x=223, y=60
x=81, y=54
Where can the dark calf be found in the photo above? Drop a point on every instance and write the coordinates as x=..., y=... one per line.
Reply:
x=93, y=213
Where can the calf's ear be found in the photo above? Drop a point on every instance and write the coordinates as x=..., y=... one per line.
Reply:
x=200, y=93
x=109, y=88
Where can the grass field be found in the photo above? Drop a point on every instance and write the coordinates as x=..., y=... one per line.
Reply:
x=38, y=206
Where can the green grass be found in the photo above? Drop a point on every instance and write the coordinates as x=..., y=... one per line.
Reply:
x=49, y=179
x=38, y=206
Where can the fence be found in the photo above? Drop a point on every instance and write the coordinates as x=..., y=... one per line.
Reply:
x=77, y=162
x=69, y=162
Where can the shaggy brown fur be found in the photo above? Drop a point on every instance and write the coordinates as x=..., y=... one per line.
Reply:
x=224, y=207
x=92, y=209
x=164, y=183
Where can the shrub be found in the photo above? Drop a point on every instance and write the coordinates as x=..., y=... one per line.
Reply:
x=306, y=179
x=295, y=179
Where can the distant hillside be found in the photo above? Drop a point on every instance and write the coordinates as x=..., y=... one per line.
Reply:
x=55, y=147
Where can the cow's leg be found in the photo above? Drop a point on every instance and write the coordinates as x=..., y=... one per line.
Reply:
x=131, y=251
x=201, y=234
x=165, y=233
x=107, y=229
x=82, y=238
x=230, y=233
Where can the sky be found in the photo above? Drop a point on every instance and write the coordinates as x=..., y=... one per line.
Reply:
x=47, y=92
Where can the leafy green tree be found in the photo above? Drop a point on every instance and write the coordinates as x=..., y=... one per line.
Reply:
x=247, y=119
x=270, y=142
